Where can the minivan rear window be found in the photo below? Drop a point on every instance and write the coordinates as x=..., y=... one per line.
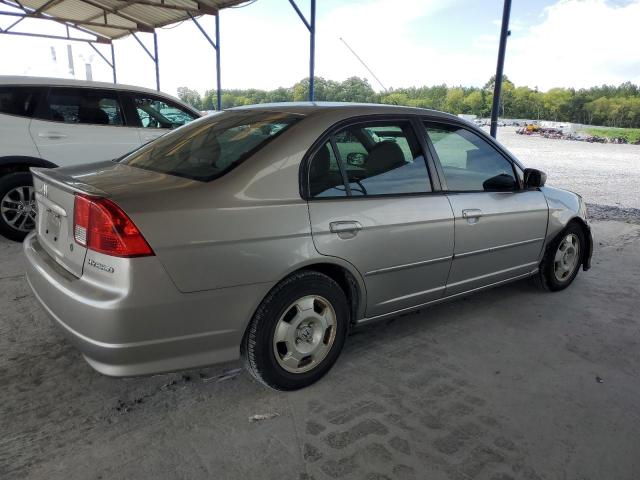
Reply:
x=208, y=148
x=20, y=101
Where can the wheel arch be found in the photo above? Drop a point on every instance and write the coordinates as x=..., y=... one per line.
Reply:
x=342, y=272
x=586, y=231
x=18, y=163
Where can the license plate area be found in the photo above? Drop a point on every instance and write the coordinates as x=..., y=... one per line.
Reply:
x=52, y=223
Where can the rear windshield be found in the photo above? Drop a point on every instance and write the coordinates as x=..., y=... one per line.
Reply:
x=208, y=148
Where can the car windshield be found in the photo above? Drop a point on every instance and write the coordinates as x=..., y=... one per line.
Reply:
x=208, y=148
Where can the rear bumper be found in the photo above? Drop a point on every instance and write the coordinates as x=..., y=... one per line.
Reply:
x=146, y=326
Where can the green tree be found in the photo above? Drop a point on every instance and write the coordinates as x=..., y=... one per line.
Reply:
x=190, y=96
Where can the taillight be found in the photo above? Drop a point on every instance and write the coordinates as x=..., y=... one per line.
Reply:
x=102, y=226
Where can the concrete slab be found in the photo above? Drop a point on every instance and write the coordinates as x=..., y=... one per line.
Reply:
x=513, y=383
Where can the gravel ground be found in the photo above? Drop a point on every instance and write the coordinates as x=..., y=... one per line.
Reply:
x=604, y=174
x=512, y=383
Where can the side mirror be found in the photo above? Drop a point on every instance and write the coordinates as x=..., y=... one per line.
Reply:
x=499, y=183
x=534, y=178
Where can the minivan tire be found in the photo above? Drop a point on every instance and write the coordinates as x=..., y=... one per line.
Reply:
x=7, y=184
x=263, y=356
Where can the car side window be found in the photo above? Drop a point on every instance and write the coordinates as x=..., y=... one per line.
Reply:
x=378, y=158
x=84, y=106
x=325, y=179
x=470, y=163
x=156, y=113
x=20, y=101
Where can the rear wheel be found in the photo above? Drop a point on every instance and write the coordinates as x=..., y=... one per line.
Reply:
x=562, y=260
x=298, y=331
x=17, y=205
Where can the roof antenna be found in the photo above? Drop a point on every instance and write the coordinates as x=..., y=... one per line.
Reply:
x=364, y=64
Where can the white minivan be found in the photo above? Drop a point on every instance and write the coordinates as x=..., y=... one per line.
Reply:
x=49, y=122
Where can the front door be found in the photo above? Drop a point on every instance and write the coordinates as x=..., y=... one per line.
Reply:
x=372, y=204
x=154, y=116
x=499, y=227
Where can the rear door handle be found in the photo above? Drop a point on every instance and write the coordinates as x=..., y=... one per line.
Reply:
x=52, y=135
x=472, y=215
x=345, y=227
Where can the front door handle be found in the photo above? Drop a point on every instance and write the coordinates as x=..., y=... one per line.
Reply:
x=51, y=135
x=350, y=226
x=472, y=215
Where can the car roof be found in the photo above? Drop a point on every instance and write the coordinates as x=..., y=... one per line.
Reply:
x=345, y=108
x=68, y=82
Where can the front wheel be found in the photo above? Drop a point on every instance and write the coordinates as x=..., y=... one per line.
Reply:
x=17, y=205
x=562, y=259
x=298, y=331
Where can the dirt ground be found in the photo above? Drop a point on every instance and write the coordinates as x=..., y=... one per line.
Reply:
x=513, y=383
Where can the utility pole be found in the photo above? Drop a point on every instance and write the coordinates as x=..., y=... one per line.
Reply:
x=504, y=33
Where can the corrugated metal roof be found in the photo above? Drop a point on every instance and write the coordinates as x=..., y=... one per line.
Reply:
x=111, y=19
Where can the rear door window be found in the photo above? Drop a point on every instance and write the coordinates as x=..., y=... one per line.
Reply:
x=20, y=101
x=208, y=148
x=379, y=158
x=84, y=106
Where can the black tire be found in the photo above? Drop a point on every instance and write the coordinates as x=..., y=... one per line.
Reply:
x=8, y=183
x=258, y=343
x=546, y=278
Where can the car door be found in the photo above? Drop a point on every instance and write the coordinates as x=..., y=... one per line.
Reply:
x=153, y=116
x=78, y=125
x=372, y=203
x=499, y=226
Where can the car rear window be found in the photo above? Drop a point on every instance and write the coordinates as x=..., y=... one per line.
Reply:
x=206, y=149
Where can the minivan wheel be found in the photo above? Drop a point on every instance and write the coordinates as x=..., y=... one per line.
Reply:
x=562, y=260
x=17, y=205
x=298, y=331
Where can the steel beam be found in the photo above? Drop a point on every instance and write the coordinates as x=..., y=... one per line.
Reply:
x=311, y=26
x=113, y=63
x=218, y=76
x=156, y=59
x=497, y=89
x=56, y=37
x=312, y=52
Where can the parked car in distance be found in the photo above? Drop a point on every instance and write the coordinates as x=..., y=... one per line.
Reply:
x=49, y=122
x=267, y=232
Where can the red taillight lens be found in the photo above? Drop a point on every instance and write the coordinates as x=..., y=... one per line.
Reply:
x=102, y=226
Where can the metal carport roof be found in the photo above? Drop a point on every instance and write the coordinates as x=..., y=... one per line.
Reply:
x=112, y=19
x=108, y=20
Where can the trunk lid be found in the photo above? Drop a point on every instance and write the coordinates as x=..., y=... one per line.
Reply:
x=55, y=196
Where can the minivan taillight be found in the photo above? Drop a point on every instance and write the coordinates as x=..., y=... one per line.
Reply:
x=102, y=226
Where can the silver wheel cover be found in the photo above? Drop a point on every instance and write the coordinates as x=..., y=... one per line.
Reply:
x=304, y=334
x=566, y=258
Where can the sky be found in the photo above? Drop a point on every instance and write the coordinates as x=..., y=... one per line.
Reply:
x=553, y=43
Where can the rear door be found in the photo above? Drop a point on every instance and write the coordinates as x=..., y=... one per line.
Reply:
x=153, y=116
x=78, y=125
x=499, y=226
x=372, y=202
